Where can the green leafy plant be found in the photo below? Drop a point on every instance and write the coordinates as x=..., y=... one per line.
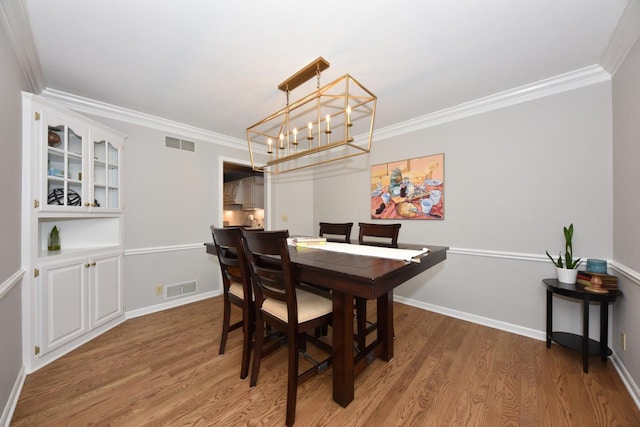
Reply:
x=569, y=262
x=54, y=239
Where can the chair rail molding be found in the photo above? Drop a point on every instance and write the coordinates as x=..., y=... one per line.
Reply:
x=8, y=284
x=160, y=249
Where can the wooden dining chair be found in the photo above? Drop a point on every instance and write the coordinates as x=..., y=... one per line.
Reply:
x=336, y=232
x=379, y=234
x=237, y=290
x=280, y=303
x=385, y=235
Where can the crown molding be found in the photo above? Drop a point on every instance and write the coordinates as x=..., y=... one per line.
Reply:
x=102, y=109
x=564, y=82
x=625, y=35
x=15, y=21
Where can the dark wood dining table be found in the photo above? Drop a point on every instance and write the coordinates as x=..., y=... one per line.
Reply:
x=349, y=276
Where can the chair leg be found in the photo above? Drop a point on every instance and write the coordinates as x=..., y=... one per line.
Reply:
x=247, y=331
x=226, y=318
x=292, y=382
x=361, y=320
x=257, y=350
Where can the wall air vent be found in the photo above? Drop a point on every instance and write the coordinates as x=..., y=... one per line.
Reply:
x=180, y=289
x=180, y=144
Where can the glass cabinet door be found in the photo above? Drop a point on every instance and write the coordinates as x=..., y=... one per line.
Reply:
x=105, y=173
x=63, y=156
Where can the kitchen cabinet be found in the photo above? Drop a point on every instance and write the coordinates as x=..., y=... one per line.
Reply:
x=72, y=169
x=233, y=192
x=253, y=193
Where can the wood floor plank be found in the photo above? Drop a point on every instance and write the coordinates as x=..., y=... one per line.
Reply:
x=164, y=369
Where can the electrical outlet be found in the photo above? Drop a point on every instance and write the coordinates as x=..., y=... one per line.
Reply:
x=159, y=290
x=623, y=341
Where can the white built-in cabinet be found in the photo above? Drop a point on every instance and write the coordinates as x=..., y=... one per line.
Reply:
x=72, y=179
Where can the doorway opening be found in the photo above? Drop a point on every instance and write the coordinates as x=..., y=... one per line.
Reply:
x=243, y=196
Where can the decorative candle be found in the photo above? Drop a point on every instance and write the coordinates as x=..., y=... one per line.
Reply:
x=348, y=115
x=269, y=142
x=328, y=120
x=295, y=136
x=282, y=141
x=310, y=126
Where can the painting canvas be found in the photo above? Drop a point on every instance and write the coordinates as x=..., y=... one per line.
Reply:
x=408, y=189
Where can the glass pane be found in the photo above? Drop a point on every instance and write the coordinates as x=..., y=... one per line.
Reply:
x=55, y=137
x=99, y=153
x=55, y=166
x=99, y=175
x=75, y=167
x=113, y=176
x=113, y=155
x=113, y=198
x=74, y=143
x=74, y=192
x=100, y=197
x=55, y=193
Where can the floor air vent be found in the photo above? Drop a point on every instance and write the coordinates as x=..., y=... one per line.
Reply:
x=180, y=289
x=179, y=144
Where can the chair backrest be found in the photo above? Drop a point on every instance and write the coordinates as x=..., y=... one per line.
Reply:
x=336, y=232
x=233, y=263
x=270, y=266
x=379, y=234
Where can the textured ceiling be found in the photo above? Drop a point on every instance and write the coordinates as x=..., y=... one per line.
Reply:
x=216, y=65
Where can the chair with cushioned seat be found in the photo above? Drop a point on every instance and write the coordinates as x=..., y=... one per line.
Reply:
x=280, y=303
x=237, y=289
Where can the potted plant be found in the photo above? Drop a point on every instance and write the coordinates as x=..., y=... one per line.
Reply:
x=567, y=271
x=54, y=239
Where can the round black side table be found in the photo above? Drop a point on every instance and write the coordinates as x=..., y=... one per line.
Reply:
x=576, y=342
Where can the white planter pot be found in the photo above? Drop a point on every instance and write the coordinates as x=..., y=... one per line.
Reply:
x=567, y=275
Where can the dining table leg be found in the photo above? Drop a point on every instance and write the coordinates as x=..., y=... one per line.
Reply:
x=343, y=362
x=385, y=325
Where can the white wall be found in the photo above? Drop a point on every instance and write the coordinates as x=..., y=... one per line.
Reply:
x=11, y=83
x=171, y=199
x=626, y=207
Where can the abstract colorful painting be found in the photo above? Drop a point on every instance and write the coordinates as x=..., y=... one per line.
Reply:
x=408, y=189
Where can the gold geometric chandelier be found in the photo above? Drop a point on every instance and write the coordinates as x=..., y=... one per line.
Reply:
x=316, y=129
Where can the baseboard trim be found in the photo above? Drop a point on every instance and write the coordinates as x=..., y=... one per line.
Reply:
x=12, y=402
x=170, y=304
x=626, y=378
x=484, y=321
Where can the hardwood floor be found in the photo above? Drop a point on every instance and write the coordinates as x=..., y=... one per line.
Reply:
x=164, y=369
